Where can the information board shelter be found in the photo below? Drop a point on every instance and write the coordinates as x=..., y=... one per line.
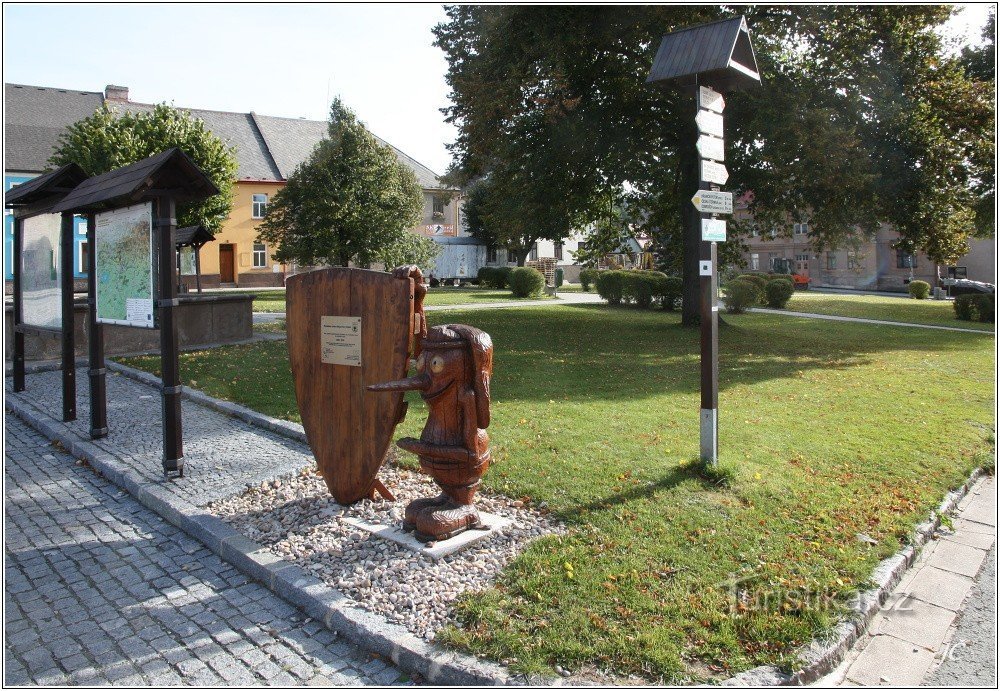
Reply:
x=194, y=237
x=707, y=60
x=43, y=272
x=131, y=227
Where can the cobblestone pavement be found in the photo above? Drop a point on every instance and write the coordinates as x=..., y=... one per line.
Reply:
x=221, y=454
x=100, y=590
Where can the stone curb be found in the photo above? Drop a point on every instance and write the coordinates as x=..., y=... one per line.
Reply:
x=324, y=604
x=822, y=655
x=272, y=424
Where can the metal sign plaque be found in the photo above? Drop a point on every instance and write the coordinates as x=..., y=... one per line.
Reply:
x=711, y=147
x=711, y=99
x=713, y=230
x=709, y=123
x=710, y=202
x=714, y=172
x=340, y=341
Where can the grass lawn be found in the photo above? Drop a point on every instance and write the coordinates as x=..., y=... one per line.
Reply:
x=274, y=300
x=828, y=430
x=901, y=309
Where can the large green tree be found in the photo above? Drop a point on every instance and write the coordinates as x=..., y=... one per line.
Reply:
x=862, y=119
x=109, y=139
x=350, y=201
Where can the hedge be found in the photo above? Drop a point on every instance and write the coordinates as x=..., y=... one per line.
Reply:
x=778, y=292
x=740, y=295
x=494, y=277
x=525, y=281
x=919, y=289
x=588, y=277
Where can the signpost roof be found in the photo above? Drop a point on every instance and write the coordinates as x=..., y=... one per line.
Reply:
x=718, y=55
x=195, y=236
x=170, y=173
x=45, y=190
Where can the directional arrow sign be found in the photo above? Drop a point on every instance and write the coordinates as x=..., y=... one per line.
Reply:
x=709, y=123
x=714, y=172
x=711, y=147
x=711, y=100
x=713, y=230
x=710, y=202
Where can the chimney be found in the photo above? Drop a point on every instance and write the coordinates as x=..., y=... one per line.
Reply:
x=115, y=93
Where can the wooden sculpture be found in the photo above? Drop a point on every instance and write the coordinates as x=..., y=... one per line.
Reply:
x=454, y=363
x=348, y=328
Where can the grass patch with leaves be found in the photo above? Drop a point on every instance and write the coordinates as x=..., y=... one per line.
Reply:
x=901, y=309
x=274, y=300
x=674, y=571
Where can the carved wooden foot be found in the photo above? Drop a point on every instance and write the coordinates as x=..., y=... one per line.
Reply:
x=415, y=507
x=445, y=521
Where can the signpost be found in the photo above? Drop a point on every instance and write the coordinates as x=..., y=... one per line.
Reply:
x=709, y=59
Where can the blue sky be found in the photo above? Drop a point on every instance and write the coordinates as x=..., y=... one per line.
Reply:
x=287, y=60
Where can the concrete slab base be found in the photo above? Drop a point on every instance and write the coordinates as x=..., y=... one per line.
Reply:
x=435, y=550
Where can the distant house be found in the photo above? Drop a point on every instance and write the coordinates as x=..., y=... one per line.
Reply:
x=268, y=149
x=875, y=264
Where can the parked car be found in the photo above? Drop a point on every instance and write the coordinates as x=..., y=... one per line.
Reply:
x=963, y=286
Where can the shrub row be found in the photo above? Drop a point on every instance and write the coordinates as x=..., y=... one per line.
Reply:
x=755, y=289
x=525, y=281
x=494, y=276
x=588, y=277
x=640, y=288
x=972, y=307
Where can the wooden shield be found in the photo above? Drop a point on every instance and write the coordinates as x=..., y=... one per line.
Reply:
x=349, y=429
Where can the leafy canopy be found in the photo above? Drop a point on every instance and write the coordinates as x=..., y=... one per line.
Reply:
x=110, y=139
x=350, y=201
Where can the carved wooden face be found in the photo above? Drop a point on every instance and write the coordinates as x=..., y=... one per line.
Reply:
x=444, y=367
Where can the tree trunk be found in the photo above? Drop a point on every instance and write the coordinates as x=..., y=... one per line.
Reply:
x=691, y=291
x=522, y=255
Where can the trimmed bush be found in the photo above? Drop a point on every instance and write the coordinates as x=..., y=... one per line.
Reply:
x=525, y=281
x=966, y=307
x=588, y=277
x=986, y=306
x=486, y=276
x=778, y=292
x=641, y=287
x=759, y=282
x=919, y=289
x=494, y=276
x=609, y=286
x=673, y=289
x=739, y=296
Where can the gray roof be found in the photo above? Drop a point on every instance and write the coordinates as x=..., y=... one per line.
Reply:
x=292, y=140
x=34, y=118
x=717, y=54
x=267, y=147
x=234, y=129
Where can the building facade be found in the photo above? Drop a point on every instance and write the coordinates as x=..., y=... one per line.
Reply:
x=268, y=149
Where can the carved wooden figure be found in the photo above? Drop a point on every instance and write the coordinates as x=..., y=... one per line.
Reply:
x=454, y=364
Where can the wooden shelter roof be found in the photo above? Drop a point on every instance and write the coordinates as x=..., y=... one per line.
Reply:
x=717, y=54
x=170, y=173
x=45, y=189
x=196, y=236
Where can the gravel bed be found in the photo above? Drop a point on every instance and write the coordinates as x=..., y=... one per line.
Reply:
x=297, y=519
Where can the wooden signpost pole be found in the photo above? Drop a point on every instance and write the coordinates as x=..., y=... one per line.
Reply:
x=66, y=337
x=95, y=342
x=18, y=306
x=709, y=280
x=165, y=225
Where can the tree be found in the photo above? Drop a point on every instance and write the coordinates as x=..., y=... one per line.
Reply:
x=410, y=248
x=350, y=201
x=862, y=120
x=110, y=139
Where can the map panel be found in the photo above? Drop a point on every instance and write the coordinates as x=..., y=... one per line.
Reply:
x=124, y=240
x=41, y=284
x=185, y=256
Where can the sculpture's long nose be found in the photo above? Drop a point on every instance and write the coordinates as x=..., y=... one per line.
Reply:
x=417, y=383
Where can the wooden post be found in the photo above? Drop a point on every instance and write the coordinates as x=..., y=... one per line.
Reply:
x=68, y=345
x=708, y=279
x=197, y=266
x=95, y=341
x=166, y=227
x=18, y=306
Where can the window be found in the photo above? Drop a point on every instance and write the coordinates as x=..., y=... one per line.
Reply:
x=559, y=251
x=259, y=205
x=755, y=262
x=852, y=260
x=82, y=258
x=533, y=254
x=437, y=206
x=831, y=261
x=801, y=228
x=801, y=257
x=259, y=255
x=905, y=260
x=491, y=255
x=772, y=258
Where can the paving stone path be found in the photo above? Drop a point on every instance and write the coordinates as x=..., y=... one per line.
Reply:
x=99, y=590
x=939, y=624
